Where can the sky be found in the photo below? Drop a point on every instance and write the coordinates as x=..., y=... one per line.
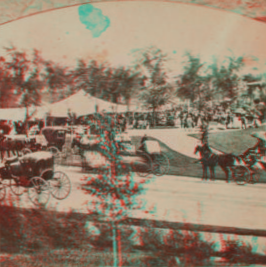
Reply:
x=111, y=31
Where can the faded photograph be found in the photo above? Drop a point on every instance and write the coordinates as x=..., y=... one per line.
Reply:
x=133, y=134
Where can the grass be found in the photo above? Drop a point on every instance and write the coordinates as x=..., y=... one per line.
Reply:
x=73, y=258
x=55, y=239
x=235, y=142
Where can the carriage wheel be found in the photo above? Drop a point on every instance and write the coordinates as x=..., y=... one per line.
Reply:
x=16, y=187
x=60, y=185
x=255, y=177
x=2, y=191
x=143, y=168
x=160, y=164
x=241, y=175
x=39, y=191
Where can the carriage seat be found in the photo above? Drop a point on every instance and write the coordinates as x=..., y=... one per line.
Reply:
x=11, y=160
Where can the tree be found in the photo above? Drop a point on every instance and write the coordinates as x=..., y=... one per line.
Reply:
x=113, y=186
x=156, y=91
x=189, y=84
x=225, y=78
x=58, y=80
x=7, y=96
x=106, y=82
x=90, y=78
x=25, y=77
x=123, y=84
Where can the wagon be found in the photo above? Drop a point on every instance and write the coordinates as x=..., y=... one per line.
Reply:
x=35, y=174
x=152, y=159
x=146, y=160
x=55, y=136
x=51, y=139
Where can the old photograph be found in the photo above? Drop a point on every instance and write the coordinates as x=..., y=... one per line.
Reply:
x=132, y=133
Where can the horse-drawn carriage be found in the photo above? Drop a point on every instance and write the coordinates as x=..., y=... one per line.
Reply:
x=244, y=168
x=97, y=153
x=34, y=173
x=50, y=139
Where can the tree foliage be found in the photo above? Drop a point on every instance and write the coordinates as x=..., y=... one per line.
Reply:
x=190, y=82
x=157, y=90
x=115, y=84
x=225, y=78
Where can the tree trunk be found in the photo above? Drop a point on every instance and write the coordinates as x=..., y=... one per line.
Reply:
x=119, y=247
x=115, y=256
x=26, y=121
x=153, y=116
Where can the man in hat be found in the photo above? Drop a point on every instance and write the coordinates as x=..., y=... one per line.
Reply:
x=260, y=148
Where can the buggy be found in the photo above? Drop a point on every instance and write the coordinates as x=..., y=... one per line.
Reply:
x=147, y=159
x=250, y=164
x=35, y=174
x=51, y=139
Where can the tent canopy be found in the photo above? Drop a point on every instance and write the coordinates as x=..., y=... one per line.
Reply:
x=16, y=114
x=81, y=104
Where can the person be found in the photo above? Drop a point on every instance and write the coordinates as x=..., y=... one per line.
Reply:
x=257, y=122
x=12, y=128
x=228, y=120
x=189, y=121
x=34, y=129
x=243, y=122
x=181, y=115
x=135, y=120
x=142, y=143
x=123, y=123
x=177, y=120
x=260, y=148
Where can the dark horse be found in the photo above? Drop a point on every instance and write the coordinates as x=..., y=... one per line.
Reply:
x=211, y=160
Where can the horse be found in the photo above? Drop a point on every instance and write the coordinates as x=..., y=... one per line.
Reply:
x=8, y=146
x=211, y=160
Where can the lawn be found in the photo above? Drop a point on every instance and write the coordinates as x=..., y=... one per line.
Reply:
x=236, y=141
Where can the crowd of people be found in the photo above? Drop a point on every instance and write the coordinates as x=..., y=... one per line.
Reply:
x=178, y=118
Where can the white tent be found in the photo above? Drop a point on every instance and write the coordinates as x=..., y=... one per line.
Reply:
x=82, y=104
x=79, y=103
x=15, y=114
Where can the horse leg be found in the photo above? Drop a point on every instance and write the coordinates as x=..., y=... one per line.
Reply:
x=204, y=168
x=205, y=172
x=211, y=173
x=226, y=171
x=214, y=176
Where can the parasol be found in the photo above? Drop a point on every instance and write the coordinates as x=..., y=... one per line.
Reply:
x=240, y=111
x=259, y=135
